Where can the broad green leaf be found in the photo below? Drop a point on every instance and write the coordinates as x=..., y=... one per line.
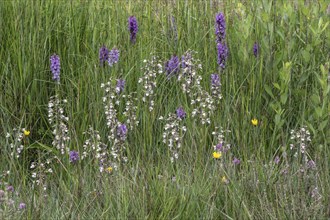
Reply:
x=277, y=119
x=315, y=99
x=277, y=86
x=306, y=55
x=269, y=91
x=318, y=111
x=323, y=124
x=284, y=98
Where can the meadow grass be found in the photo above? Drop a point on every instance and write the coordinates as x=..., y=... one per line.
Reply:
x=286, y=87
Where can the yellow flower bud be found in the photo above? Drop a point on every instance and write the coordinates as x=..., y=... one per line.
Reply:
x=217, y=155
x=254, y=121
x=26, y=132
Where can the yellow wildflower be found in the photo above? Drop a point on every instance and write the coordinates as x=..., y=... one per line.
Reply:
x=254, y=121
x=224, y=180
x=26, y=132
x=217, y=155
x=109, y=169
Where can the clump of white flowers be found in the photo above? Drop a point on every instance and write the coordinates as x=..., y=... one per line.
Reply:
x=113, y=96
x=58, y=121
x=151, y=69
x=40, y=171
x=174, y=132
x=201, y=101
x=16, y=142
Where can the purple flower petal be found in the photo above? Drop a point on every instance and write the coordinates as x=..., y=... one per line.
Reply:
x=172, y=66
x=222, y=55
x=120, y=85
x=180, y=113
x=220, y=27
x=256, y=49
x=236, y=161
x=122, y=131
x=55, y=67
x=133, y=28
x=103, y=55
x=73, y=156
x=22, y=205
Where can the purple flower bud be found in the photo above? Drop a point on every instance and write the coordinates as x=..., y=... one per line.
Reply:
x=113, y=57
x=120, y=85
x=133, y=28
x=236, y=161
x=215, y=80
x=73, y=156
x=22, y=205
x=277, y=160
x=222, y=55
x=172, y=66
x=103, y=55
x=220, y=27
x=55, y=67
x=180, y=113
x=10, y=188
x=122, y=131
x=219, y=147
x=183, y=63
x=256, y=49
x=311, y=165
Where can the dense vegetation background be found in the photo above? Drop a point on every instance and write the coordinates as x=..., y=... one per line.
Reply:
x=285, y=88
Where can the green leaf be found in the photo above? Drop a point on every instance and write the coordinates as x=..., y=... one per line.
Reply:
x=280, y=34
x=315, y=99
x=277, y=119
x=269, y=91
x=284, y=98
x=325, y=26
x=318, y=111
x=265, y=17
x=305, y=11
x=306, y=55
x=314, y=32
x=38, y=145
x=322, y=69
x=303, y=78
x=323, y=124
x=277, y=86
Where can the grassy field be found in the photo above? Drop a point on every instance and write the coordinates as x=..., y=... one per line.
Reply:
x=174, y=142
